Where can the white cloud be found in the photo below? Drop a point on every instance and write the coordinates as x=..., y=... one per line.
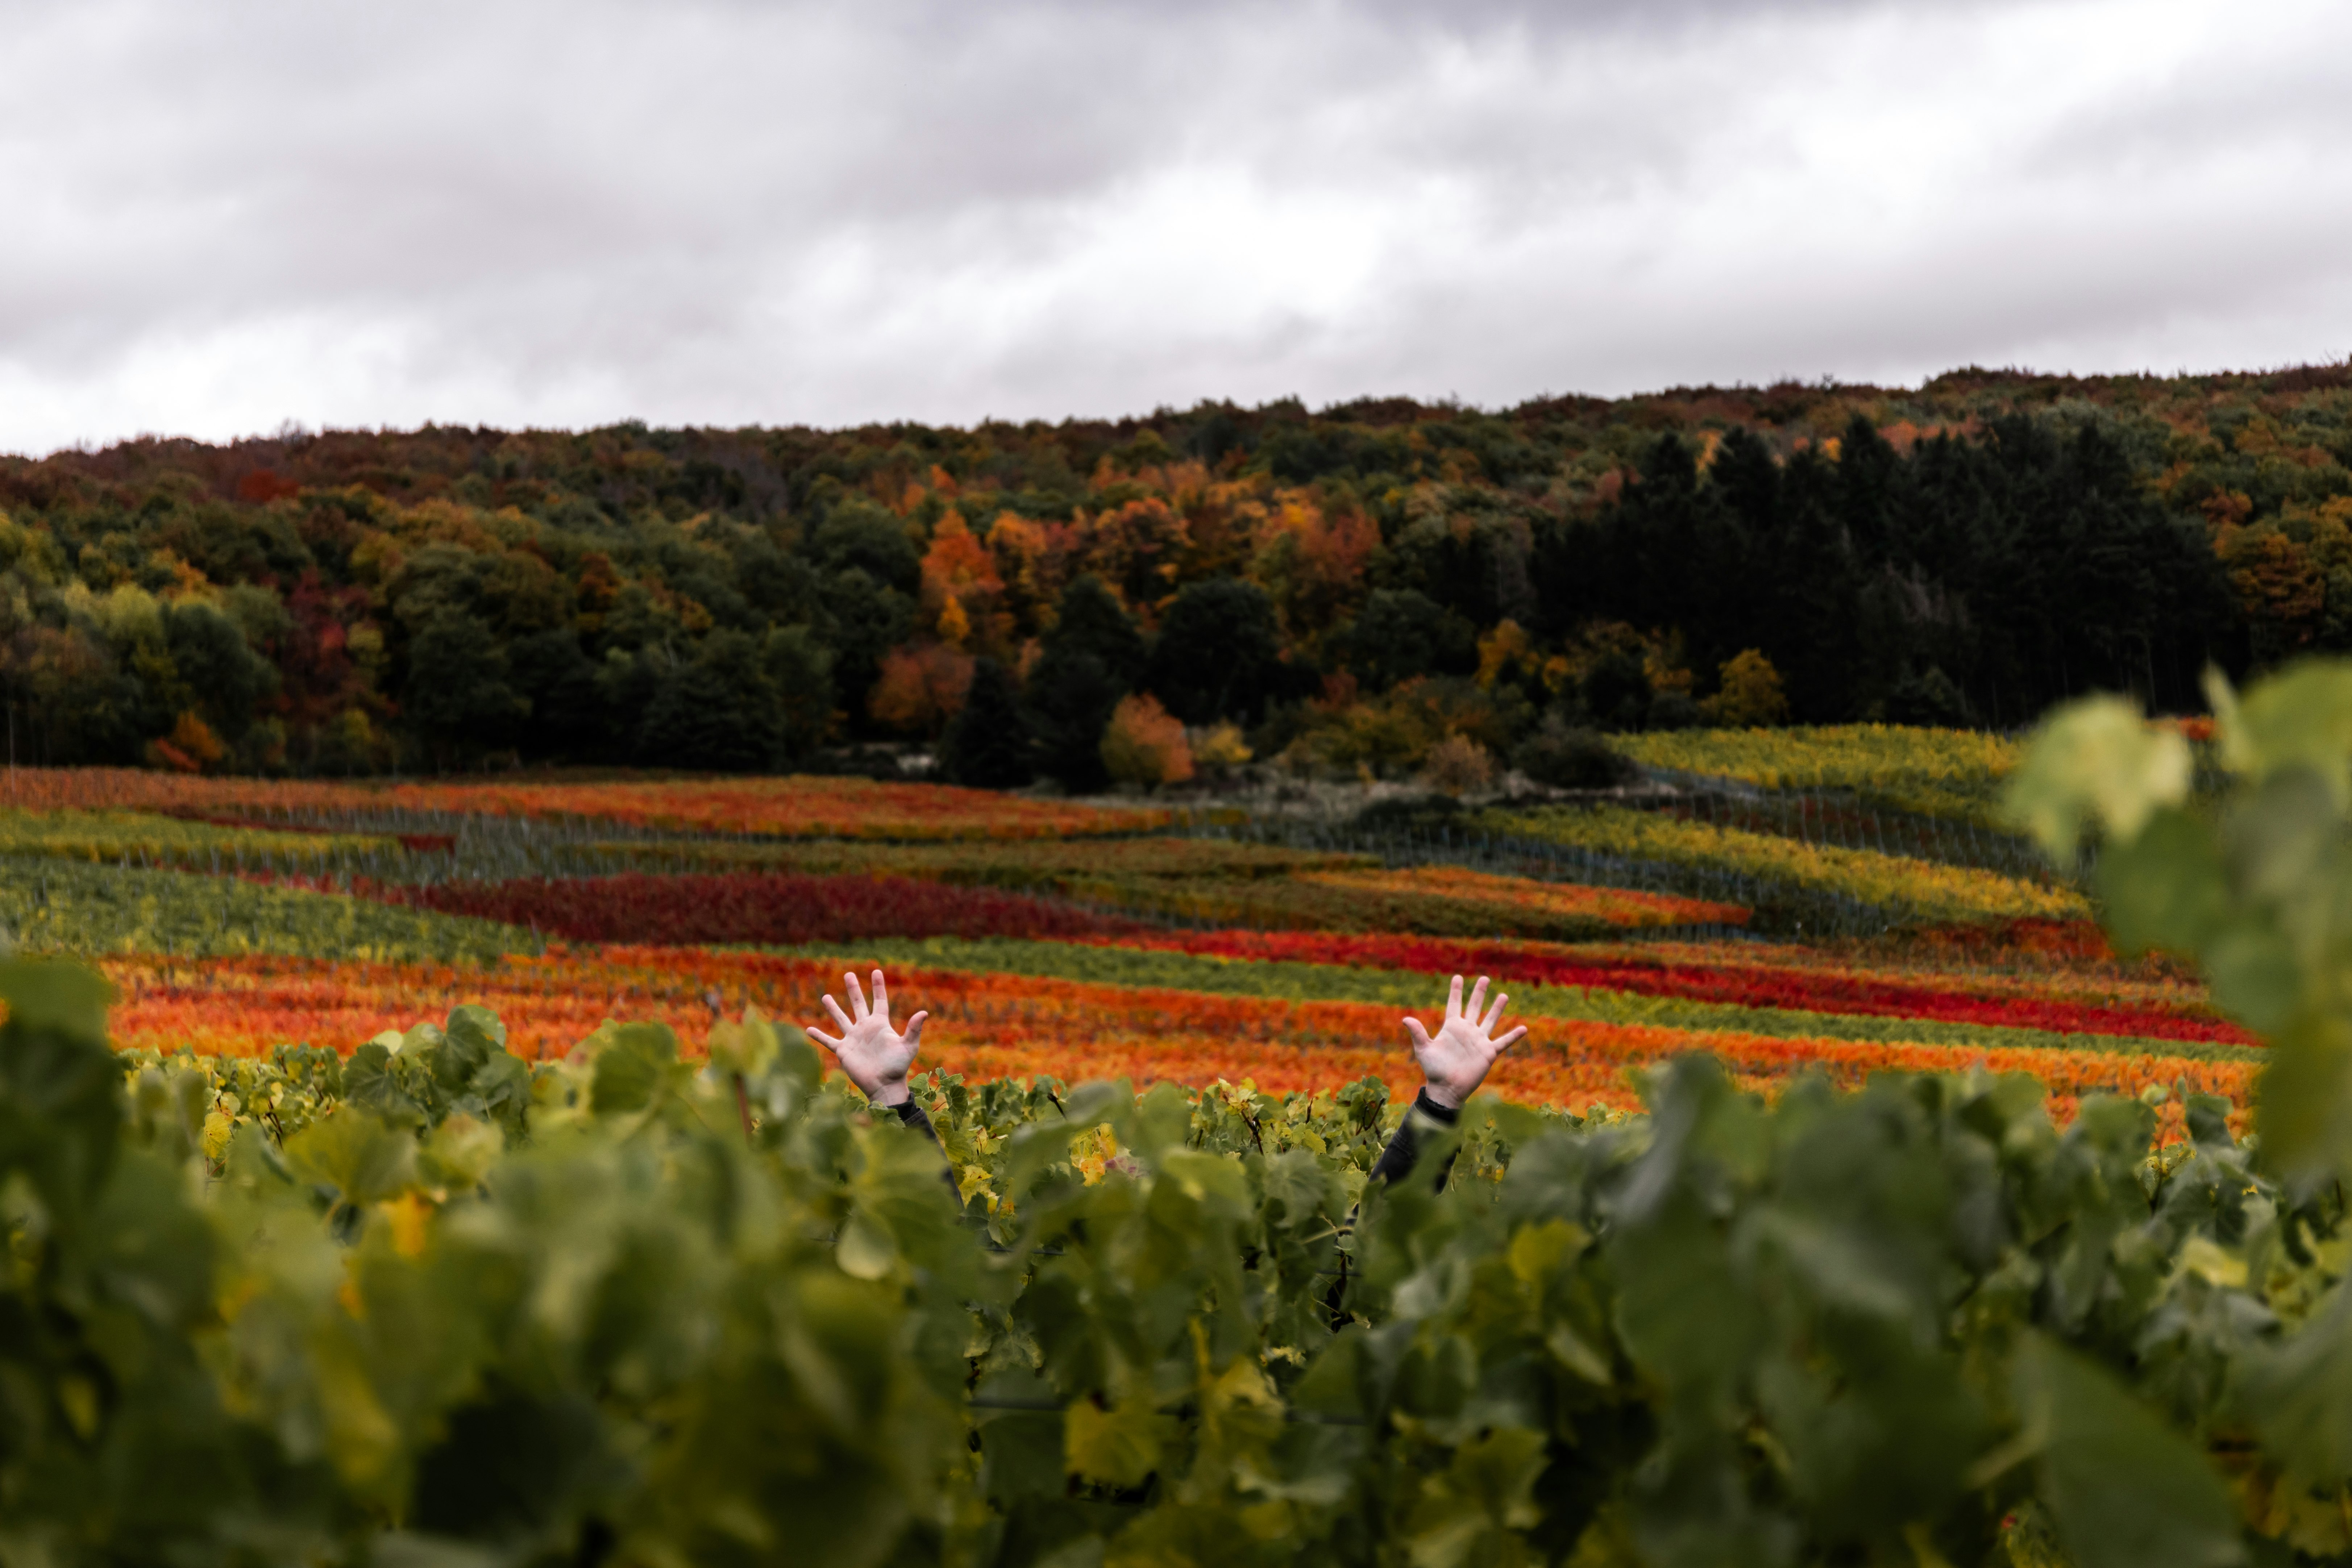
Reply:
x=222, y=216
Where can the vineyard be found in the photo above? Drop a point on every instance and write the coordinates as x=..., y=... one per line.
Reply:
x=434, y=1172
x=1774, y=918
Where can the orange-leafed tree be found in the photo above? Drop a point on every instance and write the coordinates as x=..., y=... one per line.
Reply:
x=1029, y=566
x=1137, y=548
x=1312, y=562
x=920, y=687
x=2281, y=589
x=1145, y=745
x=960, y=583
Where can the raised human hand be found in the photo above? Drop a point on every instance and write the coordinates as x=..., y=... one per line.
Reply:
x=873, y=1055
x=1456, y=1056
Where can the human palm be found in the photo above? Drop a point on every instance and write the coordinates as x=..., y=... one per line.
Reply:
x=873, y=1055
x=1456, y=1059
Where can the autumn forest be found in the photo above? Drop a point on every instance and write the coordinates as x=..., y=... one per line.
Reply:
x=1345, y=589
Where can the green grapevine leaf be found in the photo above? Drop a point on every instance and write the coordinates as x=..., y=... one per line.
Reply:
x=2168, y=888
x=364, y=1161
x=631, y=1067
x=2096, y=759
x=48, y=996
x=2299, y=719
x=1120, y=1446
x=2126, y=1490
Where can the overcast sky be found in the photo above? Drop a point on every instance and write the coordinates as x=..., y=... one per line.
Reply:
x=217, y=217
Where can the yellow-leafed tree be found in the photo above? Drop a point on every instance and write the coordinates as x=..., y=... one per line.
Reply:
x=1750, y=694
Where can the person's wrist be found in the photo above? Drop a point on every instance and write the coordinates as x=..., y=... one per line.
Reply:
x=1442, y=1098
x=888, y=1094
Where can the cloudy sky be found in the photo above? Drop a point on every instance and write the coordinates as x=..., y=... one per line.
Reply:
x=221, y=217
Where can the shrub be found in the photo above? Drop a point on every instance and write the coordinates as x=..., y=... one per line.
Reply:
x=1676, y=711
x=1457, y=765
x=1220, y=751
x=1567, y=757
x=1144, y=744
x=191, y=748
x=1927, y=698
x=1397, y=730
x=1616, y=690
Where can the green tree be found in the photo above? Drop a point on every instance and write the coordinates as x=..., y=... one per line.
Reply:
x=857, y=535
x=1928, y=698
x=1219, y=654
x=717, y=710
x=866, y=620
x=800, y=668
x=1402, y=633
x=550, y=671
x=1089, y=619
x=227, y=679
x=457, y=693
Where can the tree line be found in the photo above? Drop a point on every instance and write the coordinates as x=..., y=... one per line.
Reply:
x=1346, y=588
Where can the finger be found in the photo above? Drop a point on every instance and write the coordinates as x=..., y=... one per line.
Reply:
x=1454, y=1001
x=857, y=997
x=1478, y=1003
x=915, y=1034
x=822, y=1038
x=1419, y=1036
x=1513, y=1039
x=840, y=1018
x=881, y=997
x=1493, y=1014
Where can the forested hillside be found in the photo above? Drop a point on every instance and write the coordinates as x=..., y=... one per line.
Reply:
x=1349, y=588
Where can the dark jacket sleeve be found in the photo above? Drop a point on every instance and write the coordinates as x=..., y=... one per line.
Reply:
x=911, y=1115
x=1398, y=1158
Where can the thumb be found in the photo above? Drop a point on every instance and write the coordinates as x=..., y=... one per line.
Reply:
x=915, y=1030
x=1418, y=1034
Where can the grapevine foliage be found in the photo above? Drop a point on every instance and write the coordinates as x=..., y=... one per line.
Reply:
x=2254, y=882
x=435, y=1305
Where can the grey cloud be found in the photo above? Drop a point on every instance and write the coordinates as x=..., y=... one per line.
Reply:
x=518, y=211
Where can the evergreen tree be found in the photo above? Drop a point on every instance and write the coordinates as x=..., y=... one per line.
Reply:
x=988, y=742
x=1071, y=698
x=1091, y=658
